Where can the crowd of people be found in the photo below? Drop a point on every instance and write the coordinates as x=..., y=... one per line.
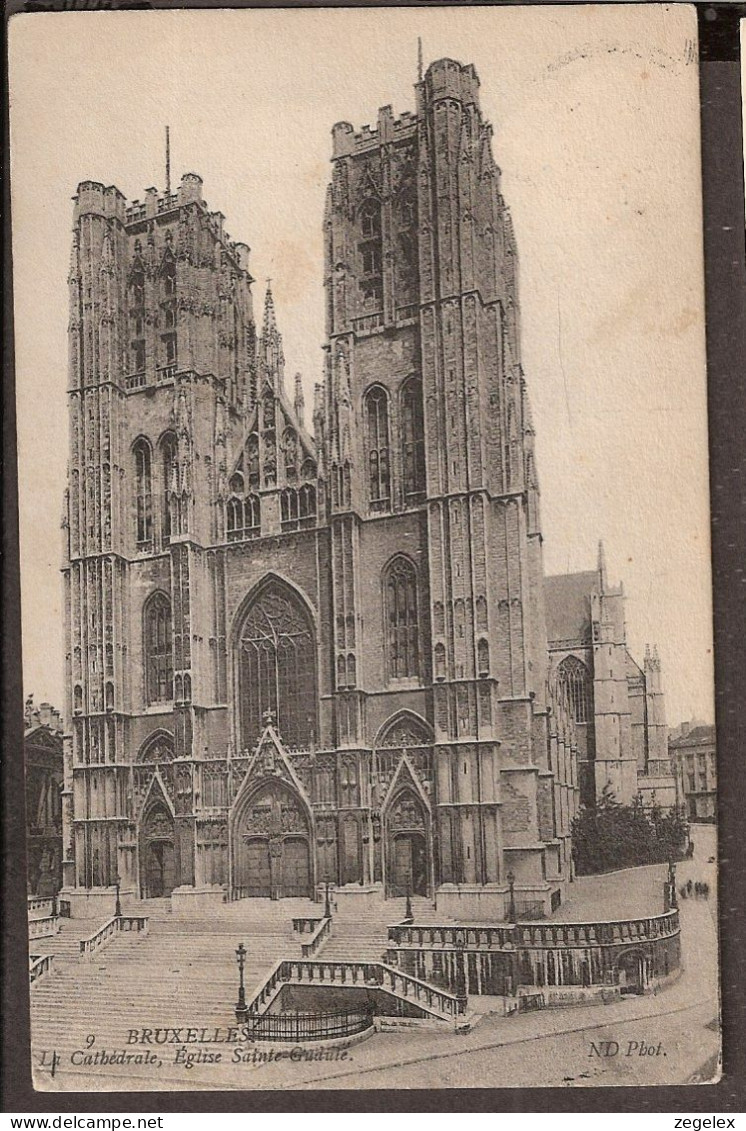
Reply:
x=696, y=889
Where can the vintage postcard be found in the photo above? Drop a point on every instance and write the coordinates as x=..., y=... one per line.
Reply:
x=369, y=731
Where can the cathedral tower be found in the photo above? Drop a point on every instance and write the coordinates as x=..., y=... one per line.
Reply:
x=433, y=479
x=161, y=371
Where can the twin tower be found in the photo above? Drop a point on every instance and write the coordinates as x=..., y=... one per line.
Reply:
x=310, y=645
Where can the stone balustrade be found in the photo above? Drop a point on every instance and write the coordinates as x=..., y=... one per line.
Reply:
x=363, y=975
x=110, y=928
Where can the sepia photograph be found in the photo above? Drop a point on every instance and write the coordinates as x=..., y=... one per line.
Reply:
x=365, y=551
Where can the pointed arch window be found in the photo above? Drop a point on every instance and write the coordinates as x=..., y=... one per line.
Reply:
x=243, y=518
x=307, y=505
x=370, y=251
x=289, y=509
x=575, y=684
x=277, y=667
x=159, y=667
x=168, y=465
x=402, y=619
x=413, y=440
x=377, y=421
x=143, y=494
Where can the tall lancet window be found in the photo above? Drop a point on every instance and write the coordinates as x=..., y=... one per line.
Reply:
x=413, y=440
x=143, y=494
x=159, y=665
x=402, y=637
x=377, y=420
x=168, y=455
x=575, y=681
x=370, y=252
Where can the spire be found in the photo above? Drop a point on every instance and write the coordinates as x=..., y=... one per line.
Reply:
x=601, y=567
x=271, y=357
x=299, y=403
x=419, y=58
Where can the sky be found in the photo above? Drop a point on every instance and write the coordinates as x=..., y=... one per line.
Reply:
x=596, y=130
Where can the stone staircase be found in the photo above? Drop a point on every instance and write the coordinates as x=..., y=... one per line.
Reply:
x=182, y=974
x=364, y=936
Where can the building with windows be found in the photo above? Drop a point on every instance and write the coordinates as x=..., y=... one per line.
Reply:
x=692, y=751
x=42, y=747
x=303, y=655
x=617, y=706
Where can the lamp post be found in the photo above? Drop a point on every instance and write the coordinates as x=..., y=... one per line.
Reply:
x=408, y=908
x=327, y=905
x=118, y=904
x=511, y=904
x=672, y=883
x=241, y=1010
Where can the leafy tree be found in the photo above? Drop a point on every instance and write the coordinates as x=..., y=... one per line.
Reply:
x=611, y=835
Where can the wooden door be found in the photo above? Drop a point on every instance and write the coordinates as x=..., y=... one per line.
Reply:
x=258, y=879
x=296, y=871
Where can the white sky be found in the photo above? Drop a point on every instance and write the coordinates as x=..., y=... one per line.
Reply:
x=596, y=118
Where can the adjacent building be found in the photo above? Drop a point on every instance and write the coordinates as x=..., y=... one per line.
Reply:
x=618, y=706
x=42, y=743
x=692, y=751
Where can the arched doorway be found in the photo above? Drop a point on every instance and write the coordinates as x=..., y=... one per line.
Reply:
x=157, y=859
x=632, y=973
x=272, y=846
x=407, y=846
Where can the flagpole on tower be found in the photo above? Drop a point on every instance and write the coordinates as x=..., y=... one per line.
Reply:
x=168, y=161
x=419, y=58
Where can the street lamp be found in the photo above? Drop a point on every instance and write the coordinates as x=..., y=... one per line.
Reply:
x=327, y=905
x=241, y=1009
x=408, y=908
x=511, y=905
x=672, y=882
x=118, y=904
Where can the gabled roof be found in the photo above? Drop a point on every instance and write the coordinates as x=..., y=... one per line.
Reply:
x=567, y=597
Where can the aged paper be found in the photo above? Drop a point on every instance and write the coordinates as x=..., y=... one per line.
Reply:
x=369, y=738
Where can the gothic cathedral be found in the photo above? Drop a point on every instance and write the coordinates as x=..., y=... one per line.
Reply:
x=305, y=654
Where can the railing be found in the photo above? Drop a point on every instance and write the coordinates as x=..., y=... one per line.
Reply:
x=112, y=927
x=306, y=924
x=165, y=373
x=42, y=928
x=136, y=381
x=527, y=935
x=452, y=937
x=38, y=965
x=298, y=1027
x=37, y=903
x=611, y=933
x=318, y=938
x=364, y=975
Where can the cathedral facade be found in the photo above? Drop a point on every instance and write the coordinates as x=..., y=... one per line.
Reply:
x=307, y=650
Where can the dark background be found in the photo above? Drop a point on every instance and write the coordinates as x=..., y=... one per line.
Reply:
x=725, y=282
